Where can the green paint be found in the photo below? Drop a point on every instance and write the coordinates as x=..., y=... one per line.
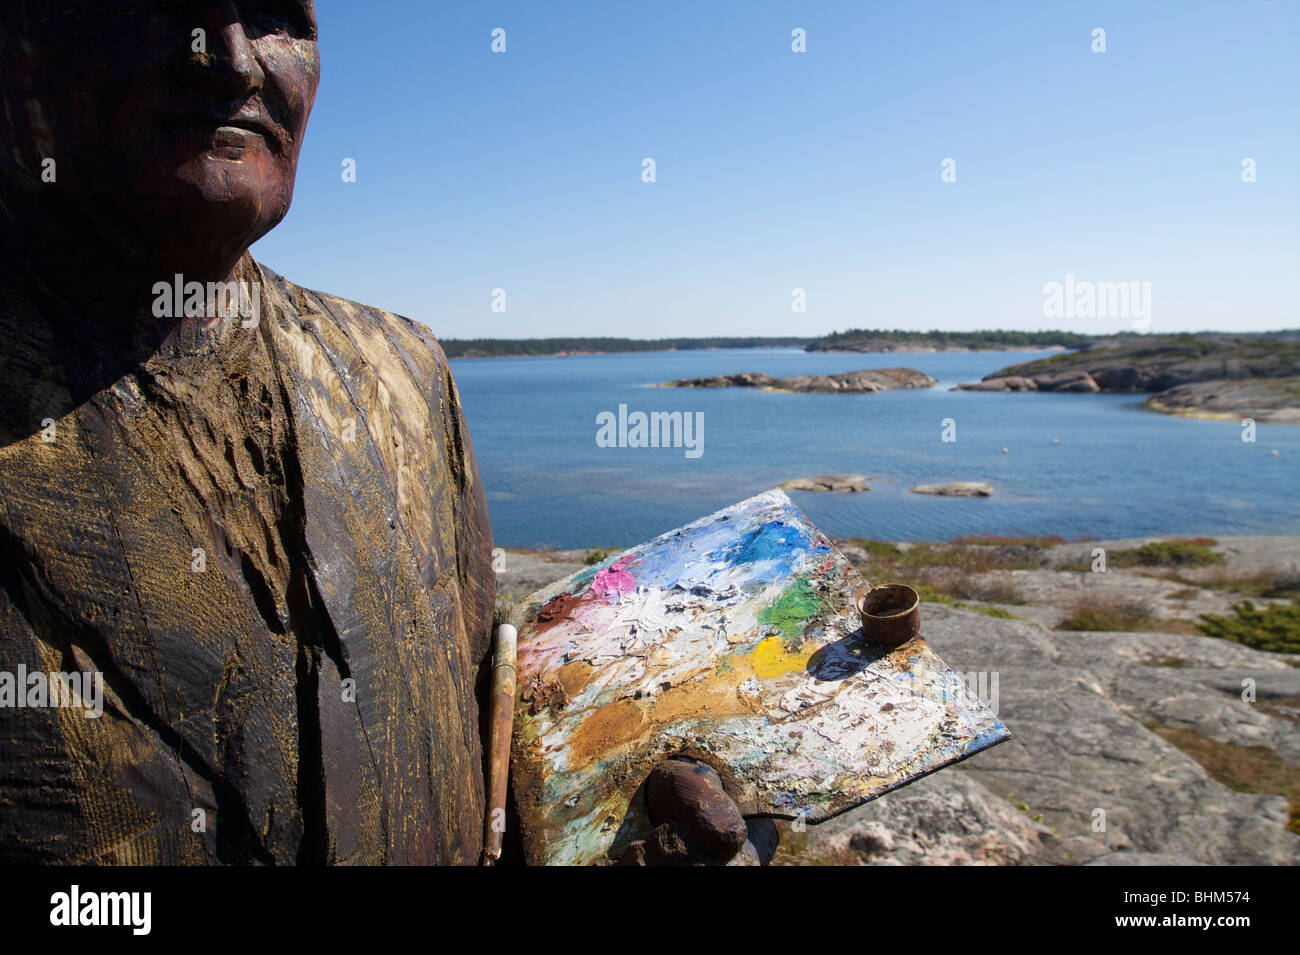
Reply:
x=788, y=612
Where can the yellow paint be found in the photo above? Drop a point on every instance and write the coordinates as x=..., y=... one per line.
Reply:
x=771, y=658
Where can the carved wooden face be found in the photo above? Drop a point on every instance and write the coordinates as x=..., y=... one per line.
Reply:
x=175, y=124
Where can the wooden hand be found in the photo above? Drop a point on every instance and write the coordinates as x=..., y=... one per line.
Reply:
x=697, y=822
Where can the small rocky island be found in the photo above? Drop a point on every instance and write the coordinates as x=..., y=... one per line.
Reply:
x=829, y=483
x=862, y=382
x=1207, y=375
x=955, y=489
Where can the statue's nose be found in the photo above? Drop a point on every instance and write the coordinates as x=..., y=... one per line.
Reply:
x=221, y=57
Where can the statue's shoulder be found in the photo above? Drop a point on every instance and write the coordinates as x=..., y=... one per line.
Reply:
x=374, y=335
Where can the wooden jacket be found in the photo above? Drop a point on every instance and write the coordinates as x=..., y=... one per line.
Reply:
x=275, y=548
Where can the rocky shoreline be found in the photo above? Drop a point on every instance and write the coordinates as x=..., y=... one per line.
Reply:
x=1274, y=400
x=865, y=381
x=889, y=348
x=1138, y=723
x=1210, y=376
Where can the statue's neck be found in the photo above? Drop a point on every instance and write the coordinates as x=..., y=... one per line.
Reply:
x=58, y=354
x=66, y=259
x=97, y=298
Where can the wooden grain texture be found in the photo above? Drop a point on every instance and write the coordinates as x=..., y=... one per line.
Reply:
x=322, y=463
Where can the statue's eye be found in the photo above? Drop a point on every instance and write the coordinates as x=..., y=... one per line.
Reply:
x=296, y=18
x=140, y=8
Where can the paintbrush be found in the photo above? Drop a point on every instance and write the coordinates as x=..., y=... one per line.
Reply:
x=503, y=716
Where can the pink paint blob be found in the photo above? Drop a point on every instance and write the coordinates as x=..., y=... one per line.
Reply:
x=613, y=581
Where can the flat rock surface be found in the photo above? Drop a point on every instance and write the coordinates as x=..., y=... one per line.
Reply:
x=521, y=572
x=1079, y=705
x=1076, y=709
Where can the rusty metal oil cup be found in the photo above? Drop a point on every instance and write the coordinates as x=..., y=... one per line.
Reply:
x=891, y=613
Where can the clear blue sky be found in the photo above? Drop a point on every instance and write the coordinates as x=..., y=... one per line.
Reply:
x=819, y=170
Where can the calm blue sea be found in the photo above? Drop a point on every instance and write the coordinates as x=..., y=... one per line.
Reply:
x=1118, y=471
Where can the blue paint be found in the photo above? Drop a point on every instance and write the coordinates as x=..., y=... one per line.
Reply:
x=775, y=543
x=700, y=559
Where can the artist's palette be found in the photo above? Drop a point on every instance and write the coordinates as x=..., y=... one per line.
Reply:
x=732, y=639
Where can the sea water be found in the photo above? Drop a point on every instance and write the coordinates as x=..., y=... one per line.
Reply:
x=1076, y=465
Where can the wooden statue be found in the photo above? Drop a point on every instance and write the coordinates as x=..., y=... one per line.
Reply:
x=248, y=513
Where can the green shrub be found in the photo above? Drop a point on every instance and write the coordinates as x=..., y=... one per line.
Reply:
x=1175, y=553
x=993, y=540
x=876, y=548
x=1102, y=614
x=945, y=572
x=929, y=594
x=595, y=557
x=1275, y=628
x=992, y=612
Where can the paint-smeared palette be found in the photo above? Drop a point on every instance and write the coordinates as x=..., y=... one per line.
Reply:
x=734, y=640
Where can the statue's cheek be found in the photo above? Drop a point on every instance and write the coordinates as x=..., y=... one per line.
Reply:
x=292, y=68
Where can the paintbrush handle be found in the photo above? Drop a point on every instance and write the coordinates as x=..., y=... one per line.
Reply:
x=503, y=718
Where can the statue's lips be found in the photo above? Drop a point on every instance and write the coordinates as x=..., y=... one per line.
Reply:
x=229, y=131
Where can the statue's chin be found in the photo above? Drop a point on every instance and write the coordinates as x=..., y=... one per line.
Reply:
x=200, y=222
x=234, y=170
x=165, y=205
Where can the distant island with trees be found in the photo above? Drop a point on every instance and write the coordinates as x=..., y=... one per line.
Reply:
x=852, y=340
x=880, y=340
x=520, y=347
x=860, y=340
